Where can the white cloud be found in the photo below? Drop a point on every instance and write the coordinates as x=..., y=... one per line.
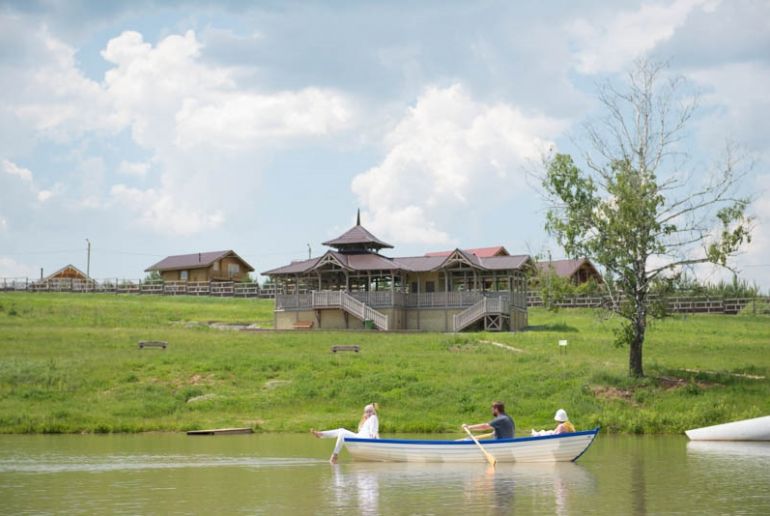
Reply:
x=44, y=195
x=10, y=268
x=18, y=185
x=608, y=44
x=137, y=169
x=738, y=100
x=55, y=99
x=178, y=107
x=163, y=213
x=448, y=152
x=187, y=111
x=13, y=169
x=3, y=224
x=754, y=264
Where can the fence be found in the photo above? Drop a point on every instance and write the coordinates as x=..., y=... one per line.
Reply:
x=123, y=286
x=682, y=304
x=676, y=304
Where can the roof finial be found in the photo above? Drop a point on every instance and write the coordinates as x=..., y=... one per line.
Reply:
x=358, y=217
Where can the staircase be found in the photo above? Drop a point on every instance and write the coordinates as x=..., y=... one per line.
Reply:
x=493, y=310
x=351, y=305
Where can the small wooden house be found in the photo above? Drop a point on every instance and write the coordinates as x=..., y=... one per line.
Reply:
x=577, y=271
x=68, y=272
x=208, y=266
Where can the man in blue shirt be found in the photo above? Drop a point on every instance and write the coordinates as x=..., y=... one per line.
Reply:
x=502, y=423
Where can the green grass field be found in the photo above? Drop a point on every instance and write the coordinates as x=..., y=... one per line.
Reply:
x=70, y=363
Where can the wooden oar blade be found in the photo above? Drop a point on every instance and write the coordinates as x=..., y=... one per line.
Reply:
x=490, y=458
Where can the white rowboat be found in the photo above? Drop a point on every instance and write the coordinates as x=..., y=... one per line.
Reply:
x=547, y=448
x=757, y=429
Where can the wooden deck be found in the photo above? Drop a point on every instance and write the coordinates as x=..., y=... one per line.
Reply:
x=222, y=431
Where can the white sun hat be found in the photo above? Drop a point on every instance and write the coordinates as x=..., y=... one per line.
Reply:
x=561, y=416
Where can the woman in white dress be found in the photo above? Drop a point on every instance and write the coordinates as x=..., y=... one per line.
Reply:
x=368, y=428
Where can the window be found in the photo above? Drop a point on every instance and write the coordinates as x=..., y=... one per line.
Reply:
x=233, y=269
x=413, y=287
x=215, y=266
x=184, y=275
x=430, y=286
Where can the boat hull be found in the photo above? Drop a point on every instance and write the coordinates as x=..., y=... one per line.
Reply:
x=549, y=448
x=757, y=429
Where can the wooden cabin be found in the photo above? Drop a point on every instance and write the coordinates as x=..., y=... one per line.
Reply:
x=353, y=285
x=208, y=266
x=577, y=271
x=68, y=272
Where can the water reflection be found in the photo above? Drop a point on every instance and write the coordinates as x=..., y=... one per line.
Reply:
x=736, y=449
x=366, y=488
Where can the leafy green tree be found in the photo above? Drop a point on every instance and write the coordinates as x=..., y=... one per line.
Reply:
x=633, y=211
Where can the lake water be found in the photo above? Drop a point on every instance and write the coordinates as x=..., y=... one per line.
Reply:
x=288, y=474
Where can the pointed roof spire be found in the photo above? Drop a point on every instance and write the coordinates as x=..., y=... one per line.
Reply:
x=357, y=239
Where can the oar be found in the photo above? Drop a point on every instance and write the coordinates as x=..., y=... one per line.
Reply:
x=487, y=455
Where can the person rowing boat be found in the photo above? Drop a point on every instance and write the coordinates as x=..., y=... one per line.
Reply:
x=502, y=424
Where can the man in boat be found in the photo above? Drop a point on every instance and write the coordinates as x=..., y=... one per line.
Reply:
x=502, y=424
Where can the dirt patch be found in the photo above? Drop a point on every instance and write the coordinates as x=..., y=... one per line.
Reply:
x=205, y=397
x=605, y=392
x=503, y=346
x=273, y=384
x=736, y=375
x=674, y=382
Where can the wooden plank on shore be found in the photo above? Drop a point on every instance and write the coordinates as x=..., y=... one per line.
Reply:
x=222, y=431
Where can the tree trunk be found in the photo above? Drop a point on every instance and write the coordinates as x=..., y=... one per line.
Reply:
x=638, y=326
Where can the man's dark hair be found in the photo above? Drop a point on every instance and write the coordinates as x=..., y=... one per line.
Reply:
x=499, y=406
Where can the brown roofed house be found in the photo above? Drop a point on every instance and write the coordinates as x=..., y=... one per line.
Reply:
x=577, y=271
x=208, y=266
x=69, y=272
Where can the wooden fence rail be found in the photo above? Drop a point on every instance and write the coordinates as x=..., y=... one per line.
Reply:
x=680, y=304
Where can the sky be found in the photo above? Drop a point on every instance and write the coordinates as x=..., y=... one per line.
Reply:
x=152, y=128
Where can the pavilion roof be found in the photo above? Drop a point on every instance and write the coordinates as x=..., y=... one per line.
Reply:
x=357, y=236
x=373, y=261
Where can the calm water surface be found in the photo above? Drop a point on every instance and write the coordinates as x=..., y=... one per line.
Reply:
x=288, y=474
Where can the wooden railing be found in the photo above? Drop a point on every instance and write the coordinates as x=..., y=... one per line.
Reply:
x=117, y=286
x=377, y=299
x=485, y=306
x=343, y=300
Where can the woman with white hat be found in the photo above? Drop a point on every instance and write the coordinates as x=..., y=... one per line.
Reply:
x=564, y=425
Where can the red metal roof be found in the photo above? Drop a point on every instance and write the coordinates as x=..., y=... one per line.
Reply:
x=481, y=252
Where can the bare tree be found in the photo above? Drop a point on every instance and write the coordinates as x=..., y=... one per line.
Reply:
x=635, y=211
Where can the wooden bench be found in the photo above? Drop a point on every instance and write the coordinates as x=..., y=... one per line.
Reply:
x=152, y=344
x=352, y=347
x=303, y=325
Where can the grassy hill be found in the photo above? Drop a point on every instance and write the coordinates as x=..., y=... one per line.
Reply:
x=70, y=363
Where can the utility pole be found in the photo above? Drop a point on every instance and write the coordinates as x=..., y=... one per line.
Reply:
x=88, y=263
x=309, y=252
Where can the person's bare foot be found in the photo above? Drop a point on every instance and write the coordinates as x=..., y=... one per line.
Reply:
x=315, y=433
x=333, y=459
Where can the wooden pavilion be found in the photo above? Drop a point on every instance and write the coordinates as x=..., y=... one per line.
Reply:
x=353, y=285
